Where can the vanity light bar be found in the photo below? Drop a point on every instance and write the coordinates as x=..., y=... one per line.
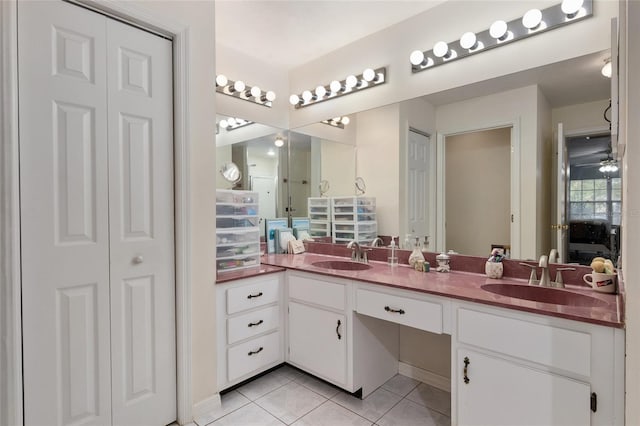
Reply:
x=534, y=22
x=233, y=123
x=339, y=122
x=240, y=90
x=353, y=83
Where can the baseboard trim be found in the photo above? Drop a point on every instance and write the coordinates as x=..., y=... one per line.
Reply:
x=425, y=376
x=206, y=406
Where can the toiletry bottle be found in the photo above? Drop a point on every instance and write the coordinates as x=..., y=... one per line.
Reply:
x=416, y=254
x=407, y=242
x=393, y=256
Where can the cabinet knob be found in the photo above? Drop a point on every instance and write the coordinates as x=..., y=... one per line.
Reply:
x=138, y=259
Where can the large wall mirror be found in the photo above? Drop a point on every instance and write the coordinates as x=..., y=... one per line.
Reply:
x=284, y=167
x=462, y=166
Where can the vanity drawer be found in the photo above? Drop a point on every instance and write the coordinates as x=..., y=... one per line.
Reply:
x=253, y=295
x=421, y=314
x=252, y=323
x=253, y=355
x=318, y=292
x=544, y=344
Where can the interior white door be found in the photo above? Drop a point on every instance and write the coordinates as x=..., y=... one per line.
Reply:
x=265, y=186
x=561, y=226
x=141, y=226
x=97, y=219
x=64, y=214
x=418, y=184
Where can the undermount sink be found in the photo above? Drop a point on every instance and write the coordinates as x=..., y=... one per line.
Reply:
x=544, y=295
x=342, y=265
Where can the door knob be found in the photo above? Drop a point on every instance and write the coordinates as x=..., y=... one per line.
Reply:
x=138, y=259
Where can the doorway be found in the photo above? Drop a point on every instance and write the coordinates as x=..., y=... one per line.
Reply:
x=98, y=266
x=478, y=191
x=593, y=199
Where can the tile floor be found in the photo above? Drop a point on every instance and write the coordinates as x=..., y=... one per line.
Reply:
x=289, y=396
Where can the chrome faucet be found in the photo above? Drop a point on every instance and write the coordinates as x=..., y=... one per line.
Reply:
x=545, y=280
x=377, y=242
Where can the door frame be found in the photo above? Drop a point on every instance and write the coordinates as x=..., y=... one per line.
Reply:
x=439, y=173
x=11, y=391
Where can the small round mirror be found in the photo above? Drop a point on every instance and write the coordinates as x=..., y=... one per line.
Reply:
x=324, y=187
x=231, y=173
x=360, y=186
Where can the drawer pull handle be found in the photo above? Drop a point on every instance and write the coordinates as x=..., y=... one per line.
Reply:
x=338, y=330
x=253, y=324
x=394, y=311
x=255, y=352
x=466, y=369
x=251, y=296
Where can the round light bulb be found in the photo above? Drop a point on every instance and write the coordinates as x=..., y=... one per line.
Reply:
x=345, y=120
x=270, y=96
x=607, y=69
x=416, y=57
x=239, y=86
x=335, y=86
x=231, y=121
x=571, y=7
x=351, y=81
x=368, y=74
x=294, y=99
x=221, y=80
x=532, y=19
x=321, y=91
x=440, y=49
x=307, y=95
x=498, y=30
x=279, y=142
x=468, y=40
x=256, y=92
x=224, y=124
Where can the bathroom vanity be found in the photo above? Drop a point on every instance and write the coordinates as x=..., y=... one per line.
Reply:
x=514, y=361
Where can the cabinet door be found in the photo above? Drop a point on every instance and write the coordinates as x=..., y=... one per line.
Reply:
x=317, y=342
x=501, y=392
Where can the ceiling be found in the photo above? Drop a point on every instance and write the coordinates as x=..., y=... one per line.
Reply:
x=276, y=31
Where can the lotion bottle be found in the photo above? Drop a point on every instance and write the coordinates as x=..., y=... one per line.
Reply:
x=393, y=256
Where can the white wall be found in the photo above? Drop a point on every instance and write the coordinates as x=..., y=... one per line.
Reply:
x=581, y=117
x=237, y=65
x=223, y=155
x=338, y=166
x=518, y=106
x=546, y=205
x=629, y=131
x=199, y=16
x=392, y=46
x=378, y=161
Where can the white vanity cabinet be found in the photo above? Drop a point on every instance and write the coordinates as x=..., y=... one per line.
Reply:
x=329, y=340
x=318, y=326
x=249, y=326
x=513, y=368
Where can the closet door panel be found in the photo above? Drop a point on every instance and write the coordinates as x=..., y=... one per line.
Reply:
x=141, y=226
x=64, y=214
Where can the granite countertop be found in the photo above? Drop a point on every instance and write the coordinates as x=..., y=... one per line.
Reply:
x=456, y=284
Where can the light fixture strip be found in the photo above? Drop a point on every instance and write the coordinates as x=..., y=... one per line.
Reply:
x=333, y=123
x=552, y=17
x=245, y=94
x=380, y=77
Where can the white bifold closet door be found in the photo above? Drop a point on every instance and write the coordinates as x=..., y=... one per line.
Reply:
x=96, y=190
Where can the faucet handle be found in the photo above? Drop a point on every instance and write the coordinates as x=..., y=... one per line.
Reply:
x=559, y=281
x=365, y=257
x=533, y=278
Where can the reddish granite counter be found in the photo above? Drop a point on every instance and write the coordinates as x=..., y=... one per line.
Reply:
x=460, y=285
x=247, y=273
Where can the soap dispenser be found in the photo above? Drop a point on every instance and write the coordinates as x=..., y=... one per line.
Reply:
x=393, y=256
x=416, y=255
